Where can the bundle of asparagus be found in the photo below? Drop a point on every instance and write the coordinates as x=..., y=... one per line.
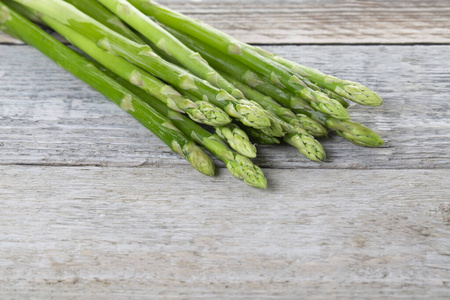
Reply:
x=171, y=72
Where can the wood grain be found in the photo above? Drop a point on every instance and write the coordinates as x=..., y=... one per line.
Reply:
x=93, y=206
x=323, y=21
x=88, y=232
x=48, y=117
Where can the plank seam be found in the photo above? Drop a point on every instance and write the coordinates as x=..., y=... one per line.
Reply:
x=219, y=166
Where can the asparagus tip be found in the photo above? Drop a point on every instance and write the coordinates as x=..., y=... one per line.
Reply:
x=359, y=94
x=307, y=145
x=356, y=133
x=237, y=139
x=252, y=115
x=242, y=167
x=199, y=159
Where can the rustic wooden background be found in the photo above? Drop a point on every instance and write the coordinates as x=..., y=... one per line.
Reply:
x=93, y=206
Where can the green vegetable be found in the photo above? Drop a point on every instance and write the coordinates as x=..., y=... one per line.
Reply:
x=143, y=56
x=85, y=70
x=199, y=111
x=169, y=44
x=230, y=47
x=239, y=166
x=345, y=88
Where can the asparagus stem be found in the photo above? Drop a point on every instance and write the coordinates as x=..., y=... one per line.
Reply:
x=143, y=56
x=100, y=13
x=169, y=44
x=199, y=111
x=237, y=139
x=345, y=88
x=244, y=53
x=260, y=138
x=238, y=165
x=22, y=10
x=329, y=93
x=86, y=71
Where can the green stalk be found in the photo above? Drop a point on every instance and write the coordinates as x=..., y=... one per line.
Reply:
x=260, y=138
x=199, y=111
x=169, y=44
x=20, y=9
x=242, y=52
x=329, y=93
x=143, y=56
x=100, y=13
x=85, y=70
x=239, y=166
x=351, y=90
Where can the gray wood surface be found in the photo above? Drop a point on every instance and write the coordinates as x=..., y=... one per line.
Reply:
x=105, y=233
x=323, y=21
x=94, y=206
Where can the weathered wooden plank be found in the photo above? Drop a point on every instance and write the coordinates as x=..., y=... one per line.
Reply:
x=89, y=232
x=329, y=21
x=48, y=117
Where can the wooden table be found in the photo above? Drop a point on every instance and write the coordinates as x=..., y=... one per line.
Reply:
x=94, y=206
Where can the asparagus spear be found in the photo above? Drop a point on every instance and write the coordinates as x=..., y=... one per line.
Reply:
x=143, y=56
x=169, y=44
x=237, y=139
x=20, y=9
x=307, y=145
x=354, y=132
x=85, y=70
x=244, y=53
x=199, y=111
x=345, y=88
x=239, y=166
x=97, y=11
